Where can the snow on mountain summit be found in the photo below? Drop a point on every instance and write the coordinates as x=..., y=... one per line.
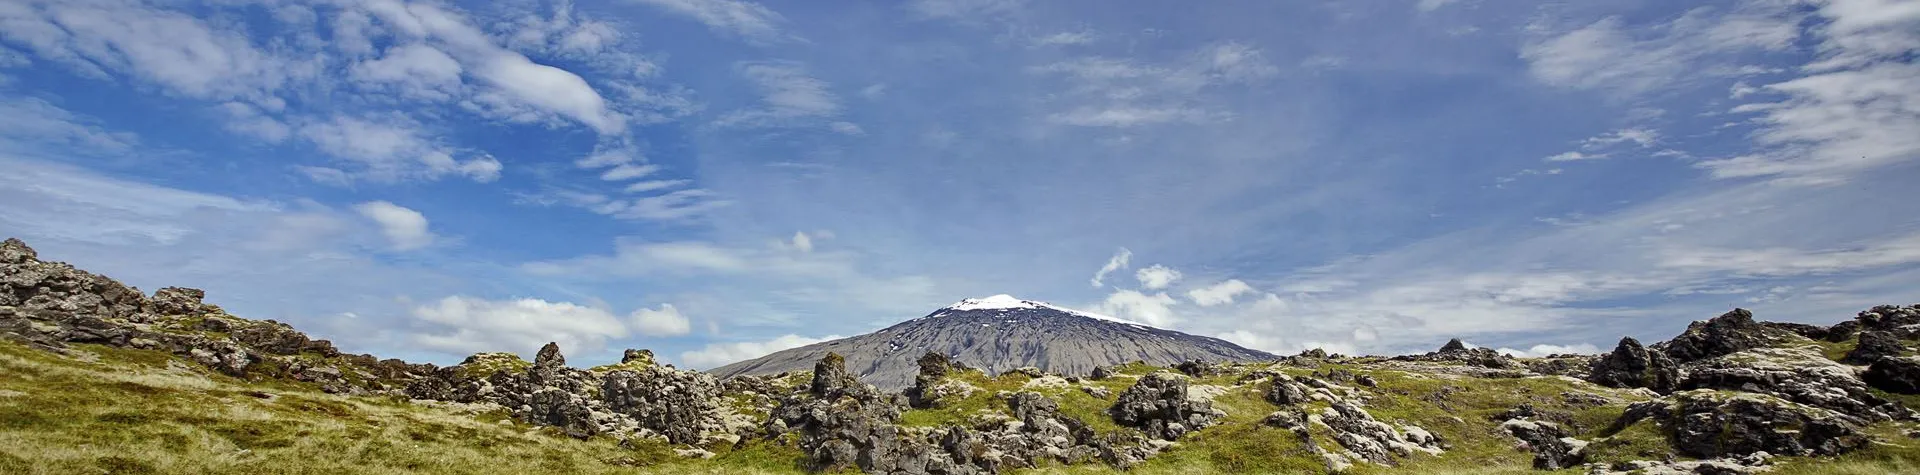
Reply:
x=1006, y=302
x=1002, y=301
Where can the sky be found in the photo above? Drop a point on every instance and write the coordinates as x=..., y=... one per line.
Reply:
x=719, y=179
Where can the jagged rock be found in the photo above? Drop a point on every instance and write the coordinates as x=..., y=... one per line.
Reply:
x=1895, y=375
x=1372, y=440
x=1801, y=375
x=1101, y=372
x=830, y=377
x=1198, y=369
x=681, y=405
x=1097, y=392
x=1725, y=334
x=1456, y=351
x=1285, y=391
x=549, y=357
x=930, y=386
x=1873, y=346
x=562, y=409
x=637, y=357
x=1843, y=331
x=1903, y=321
x=1028, y=371
x=1711, y=424
x=1552, y=448
x=274, y=338
x=1158, y=404
x=1632, y=366
x=179, y=301
x=1573, y=366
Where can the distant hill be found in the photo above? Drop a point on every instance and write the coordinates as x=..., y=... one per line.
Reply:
x=998, y=334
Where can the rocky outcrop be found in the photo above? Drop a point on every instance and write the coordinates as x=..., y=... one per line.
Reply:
x=1713, y=424
x=1631, y=365
x=1801, y=375
x=931, y=386
x=1873, y=346
x=1158, y=405
x=1371, y=440
x=1456, y=351
x=1725, y=334
x=1899, y=375
x=1552, y=448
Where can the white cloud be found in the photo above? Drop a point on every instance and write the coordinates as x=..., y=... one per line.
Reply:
x=1064, y=38
x=471, y=324
x=1576, y=155
x=1537, y=351
x=1605, y=55
x=1431, y=5
x=417, y=70
x=405, y=228
x=665, y=321
x=654, y=185
x=1642, y=136
x=1120, y=260
x=1157, y=277
x=31, y=123
x=1108, y=92
x=628, y=171
x=522, y=90
x=788, y=96
x=801, y=242
x=720, y=354
x=1150, y=309
x=1219, y=294
x=183, y=54
x=747, y=19
x=1786, y=261
x=393, y=149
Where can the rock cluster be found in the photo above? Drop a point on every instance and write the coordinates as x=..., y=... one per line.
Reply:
x=1354, y=429
x=841, y=424
x=1800, y=375
x=1714, y=424
x=1456, y=351
x=1631, y=365
x=1551, y=446
x=1728, y=333
x=1158, y=404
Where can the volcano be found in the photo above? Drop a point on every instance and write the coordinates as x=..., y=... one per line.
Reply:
x=998, y=334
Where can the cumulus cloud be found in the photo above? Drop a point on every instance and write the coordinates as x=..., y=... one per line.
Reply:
x=1156, y=277
x=1120, y=260
x=1219, y=294
x=404, y=228
x=664, y=321
x=465, y=324
x=720, y=354
x=1151, y=309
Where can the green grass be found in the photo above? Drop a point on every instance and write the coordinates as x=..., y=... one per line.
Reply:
x=118, y=410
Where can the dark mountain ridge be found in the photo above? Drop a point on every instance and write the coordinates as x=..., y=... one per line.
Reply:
x=999, y=334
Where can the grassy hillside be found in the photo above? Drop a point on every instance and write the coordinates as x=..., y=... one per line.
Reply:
x=108, y=410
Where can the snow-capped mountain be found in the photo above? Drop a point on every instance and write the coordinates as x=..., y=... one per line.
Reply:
x=1000, y=333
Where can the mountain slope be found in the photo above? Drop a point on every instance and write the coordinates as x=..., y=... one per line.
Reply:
x=998, y=334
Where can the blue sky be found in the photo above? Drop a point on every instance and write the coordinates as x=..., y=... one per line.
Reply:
x=717, y=179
